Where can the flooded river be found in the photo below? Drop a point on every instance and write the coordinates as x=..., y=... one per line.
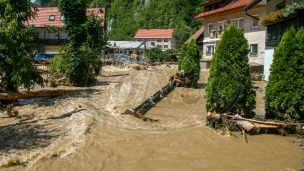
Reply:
x=86, y=131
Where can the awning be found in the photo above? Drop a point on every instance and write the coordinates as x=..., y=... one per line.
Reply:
x=211, y=40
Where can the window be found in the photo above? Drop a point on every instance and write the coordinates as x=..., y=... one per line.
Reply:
x=62, y=18
x=255, y=22
x=238, y=22
x=52, y=18
x=210, y=27
x=152, y=43
x=165, y=40
x=158, y=40
x=222, y=25
x=254, y=49
x=209, y=50
x=36, y=35
x=139, y=40
x=166, y=46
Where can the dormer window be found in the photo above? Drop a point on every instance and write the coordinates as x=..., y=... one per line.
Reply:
x=62, y=18
x=52, y=18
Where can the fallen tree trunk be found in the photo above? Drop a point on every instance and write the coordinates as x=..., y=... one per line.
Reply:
x=34, y=94
x=256, y=121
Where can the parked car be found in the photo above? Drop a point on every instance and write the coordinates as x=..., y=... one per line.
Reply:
x=43, y=56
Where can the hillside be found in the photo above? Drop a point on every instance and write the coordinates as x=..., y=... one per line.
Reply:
x=125, y=17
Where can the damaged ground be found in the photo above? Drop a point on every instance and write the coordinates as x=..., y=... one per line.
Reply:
x=85, y=130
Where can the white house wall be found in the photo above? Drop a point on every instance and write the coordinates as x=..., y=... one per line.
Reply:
x=269, y=51
x=41, y=32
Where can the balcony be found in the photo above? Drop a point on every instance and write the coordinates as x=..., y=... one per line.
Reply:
x=212, y=34
x=216, y=34
x=276, y=30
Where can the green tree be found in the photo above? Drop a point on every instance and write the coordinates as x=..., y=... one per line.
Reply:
x=74, y=13
x=79, y=65
x=180, y=35
x=16, y=47
x=156, y=54
x=284, y=91
x=229, y=86
x=189, y=62
x=95, y=42
x=168, y=53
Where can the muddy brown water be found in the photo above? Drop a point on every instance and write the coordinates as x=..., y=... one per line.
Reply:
x=86, y=131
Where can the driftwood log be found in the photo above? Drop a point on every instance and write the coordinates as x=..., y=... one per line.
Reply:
x=34, y=94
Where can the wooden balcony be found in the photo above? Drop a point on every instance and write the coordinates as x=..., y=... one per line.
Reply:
x=276, y=30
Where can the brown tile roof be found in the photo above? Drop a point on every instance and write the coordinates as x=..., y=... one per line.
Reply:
x=154, y=33
x=43, y=14
x=196, y=34
x=230, y=6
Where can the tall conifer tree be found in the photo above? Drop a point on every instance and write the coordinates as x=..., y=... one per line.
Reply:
x=284, y=91
x=229, y=86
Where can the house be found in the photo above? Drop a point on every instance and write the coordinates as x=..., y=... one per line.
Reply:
x=155, y=37
x=276, y=29
x=198, y=36
x=49, y=24
x=219, y=14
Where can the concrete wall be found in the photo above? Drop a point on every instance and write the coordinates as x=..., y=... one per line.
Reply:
x=253, y=35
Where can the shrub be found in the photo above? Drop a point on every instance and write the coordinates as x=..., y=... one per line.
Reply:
x=284, y=91
x=168, y=53
x=156, y=54
x=229, y=86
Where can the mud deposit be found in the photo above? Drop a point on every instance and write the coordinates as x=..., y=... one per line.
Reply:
x=86, y=131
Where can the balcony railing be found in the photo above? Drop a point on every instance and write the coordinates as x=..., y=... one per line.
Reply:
x=216, y=34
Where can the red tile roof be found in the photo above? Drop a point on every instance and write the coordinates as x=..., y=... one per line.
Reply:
x=233, y=5
x=43, y=14
x=154, y=33
x=196, y=34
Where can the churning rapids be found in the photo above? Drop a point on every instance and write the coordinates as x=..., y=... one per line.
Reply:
x=86, y=131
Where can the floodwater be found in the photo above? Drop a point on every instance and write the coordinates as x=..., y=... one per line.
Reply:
x=86, y=131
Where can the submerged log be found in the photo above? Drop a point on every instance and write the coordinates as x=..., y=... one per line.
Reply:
x=34, y=94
